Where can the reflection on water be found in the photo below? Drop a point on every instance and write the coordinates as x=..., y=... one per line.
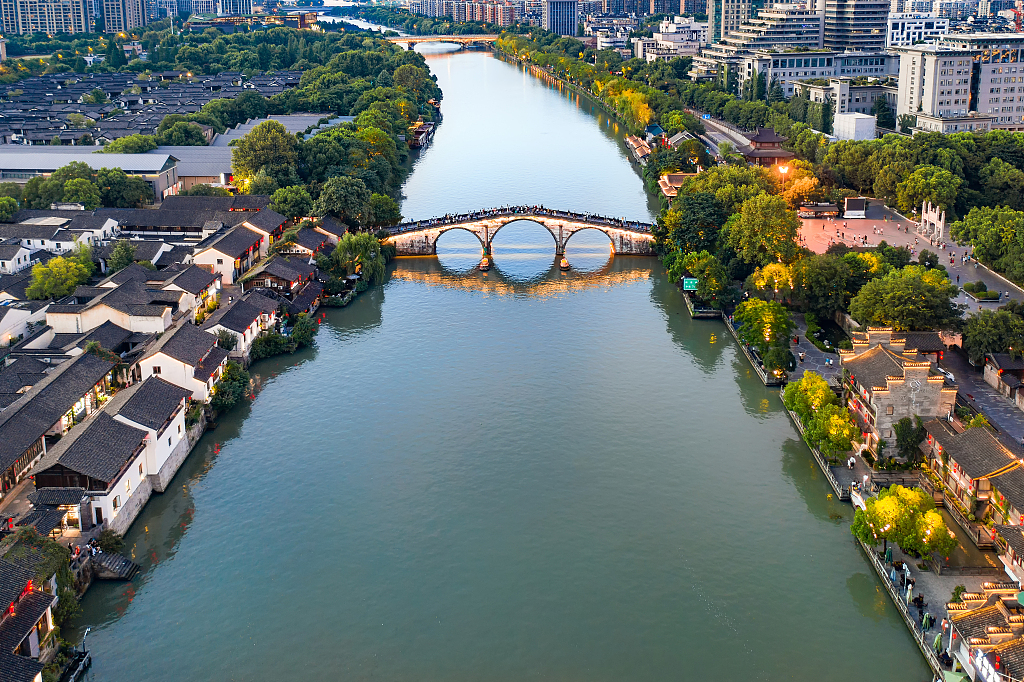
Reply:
x=869, y=596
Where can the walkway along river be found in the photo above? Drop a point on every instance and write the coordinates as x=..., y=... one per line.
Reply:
x=523, y=474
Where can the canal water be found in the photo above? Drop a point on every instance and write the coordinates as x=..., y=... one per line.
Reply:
x=523, y=474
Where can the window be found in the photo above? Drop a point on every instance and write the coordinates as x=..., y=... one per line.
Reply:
x=888, y=410
x=140, y=468
x=168, y=441
x=220, y=261
x=117, y=503
x=179, y=428
x=128, y=486
x=156, y=369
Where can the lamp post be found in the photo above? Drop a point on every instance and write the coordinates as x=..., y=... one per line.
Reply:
x=783, y=170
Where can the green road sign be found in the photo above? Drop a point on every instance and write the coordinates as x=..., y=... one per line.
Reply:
x=689, y=284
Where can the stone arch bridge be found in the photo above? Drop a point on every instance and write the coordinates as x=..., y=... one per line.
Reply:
x=462, y=40
x=420, y=238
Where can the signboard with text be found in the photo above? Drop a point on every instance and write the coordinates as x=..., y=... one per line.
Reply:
x=689, y=284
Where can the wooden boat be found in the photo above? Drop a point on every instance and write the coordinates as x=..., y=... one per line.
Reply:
x=485, y=264
x=564, y=264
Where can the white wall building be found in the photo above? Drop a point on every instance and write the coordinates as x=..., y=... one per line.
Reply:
x=907, y=29
x=853, y=126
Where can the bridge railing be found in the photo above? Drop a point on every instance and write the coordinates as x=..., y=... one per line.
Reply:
x=525, y=212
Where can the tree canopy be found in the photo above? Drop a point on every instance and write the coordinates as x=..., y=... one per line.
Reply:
x=910, y=299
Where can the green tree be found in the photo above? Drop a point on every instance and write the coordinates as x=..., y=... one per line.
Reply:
x=992, y=331
x=807, y=395
x=131, y=144
x=384, y=211
x=712, y=278
x=821, y=283
x=764, y=231
x=12, y=190
x=56, y=278
x=304, y=330
x=694, y=222
x=344, y=198
x=268, y=147
x=292, y=202
x=764, y=324
x=911, y=299
x=907, y=517
x=203, y=190
x=121, y=256
x=83, y=192
x=182, y=134
x=909, y=434
x=119, y=190
x=360, y=253
x=8, y=207
x=884, y=116
x=262, y=184
x=227, y=339
x=233, y=387
x=928, y=183
x=732, y=185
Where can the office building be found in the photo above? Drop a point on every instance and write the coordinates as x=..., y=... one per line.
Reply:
x=560, y=16
x=682, y=36
x=501, y=14
x=45, y=16
x=783, y=27
x=725, y=16
x=122, y=16
x=856, y=24
x=231, y=8
x=964, y=82
x=907, y=29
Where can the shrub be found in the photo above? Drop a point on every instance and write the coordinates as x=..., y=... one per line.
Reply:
x=232, y=387
x=269, y=345
x=109, y=541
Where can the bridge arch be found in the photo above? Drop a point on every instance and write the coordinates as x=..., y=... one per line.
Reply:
x=452, y=228
x=594, y=228
x=528, y=219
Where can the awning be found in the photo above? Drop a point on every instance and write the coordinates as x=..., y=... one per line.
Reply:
x=948, y=676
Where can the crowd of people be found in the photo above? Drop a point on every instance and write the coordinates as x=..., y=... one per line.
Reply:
x=504, y=211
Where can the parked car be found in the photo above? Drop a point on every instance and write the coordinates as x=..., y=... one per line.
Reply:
x=948, y=375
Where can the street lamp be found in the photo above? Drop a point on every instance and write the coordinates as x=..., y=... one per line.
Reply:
x=87, y=631
x=783, y=170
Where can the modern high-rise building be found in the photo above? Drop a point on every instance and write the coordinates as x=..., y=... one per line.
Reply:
x=856, y=24
x=45, y=16
x=961, y=82
x=725, y=16
x=230, y=8
x=122, y=16
x=561, y=17
x=907, y=29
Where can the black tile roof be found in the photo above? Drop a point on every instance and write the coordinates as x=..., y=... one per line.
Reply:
x=236, y=241
x=239, y=316
x=304, y=300
x=266, y=220
x=43, y=519
x=1006, y=361
x=311, y=239
x=871, y=367
x=14, y=630
x=333, y=226
x=979, y=453
x=153, y=402
x=13, y=579
x=32, y=415
x=209, y=364
x=187, y=344
x=193, y=279
x=57, y=496
x=186, y=203
x=101, y=449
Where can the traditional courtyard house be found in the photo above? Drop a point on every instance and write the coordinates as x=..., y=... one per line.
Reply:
x=15, y=318
x=106, y=457
x=268, y=223
x=1004, y=372
x=240, y=318
x=230, y=253
x=190, y=285
x=18, y=376
x=307, y=244
x=187, y=357
x=307, y=300
x=884, y=382
x=13, y=256
x=67, y=395
x=987, y=632
x=68, y=503
x=983, y=478
x=157, y=407
x=332, y=228
x=131, y=305
x=133, y=446
x=25, y=626
x=284, y=276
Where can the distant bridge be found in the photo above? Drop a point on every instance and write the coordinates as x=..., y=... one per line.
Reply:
x=463, y=40
x=420, y=238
